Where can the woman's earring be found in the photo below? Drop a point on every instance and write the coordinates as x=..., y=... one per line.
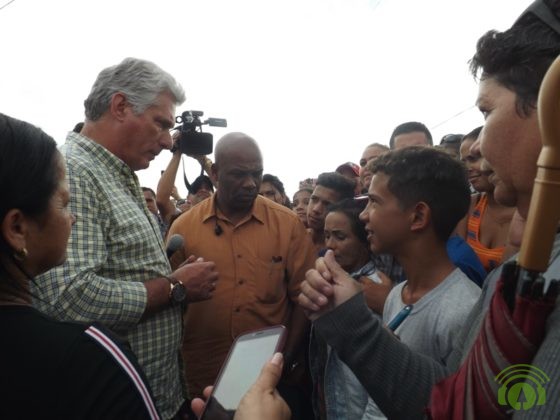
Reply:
x=20, y=255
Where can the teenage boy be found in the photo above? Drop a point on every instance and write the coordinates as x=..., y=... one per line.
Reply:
x=416, y=197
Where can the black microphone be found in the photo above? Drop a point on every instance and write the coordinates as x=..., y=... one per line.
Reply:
x=218, y=229
x=173, y=244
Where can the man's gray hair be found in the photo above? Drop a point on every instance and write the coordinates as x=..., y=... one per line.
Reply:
x=140, y=81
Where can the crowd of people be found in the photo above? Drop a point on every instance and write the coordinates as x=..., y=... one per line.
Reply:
x=107, y=314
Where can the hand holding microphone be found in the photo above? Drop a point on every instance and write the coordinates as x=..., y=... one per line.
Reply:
x=198, y=276
x=174, y=243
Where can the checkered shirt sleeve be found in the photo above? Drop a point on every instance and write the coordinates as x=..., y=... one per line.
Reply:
x=115, y=246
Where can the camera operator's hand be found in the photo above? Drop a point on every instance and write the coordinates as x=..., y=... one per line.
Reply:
x=199, y=278
x=175, y=148
x=206, y=164
x=199, y=158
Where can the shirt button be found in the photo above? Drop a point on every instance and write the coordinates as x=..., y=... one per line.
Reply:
x=237, y=309
x=240, y=281
x=238, y=255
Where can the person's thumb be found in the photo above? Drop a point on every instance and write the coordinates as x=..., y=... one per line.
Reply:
x=271, y=373
x=332, y=265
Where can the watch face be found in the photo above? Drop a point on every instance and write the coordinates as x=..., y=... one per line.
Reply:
x=178, y=293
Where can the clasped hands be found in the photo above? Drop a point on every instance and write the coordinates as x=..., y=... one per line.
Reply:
x=325, y=287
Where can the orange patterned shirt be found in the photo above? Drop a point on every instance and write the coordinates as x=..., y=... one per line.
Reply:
x=489, y=257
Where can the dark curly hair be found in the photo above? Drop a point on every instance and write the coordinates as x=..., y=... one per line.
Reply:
x=275, y=181
x=519, y=57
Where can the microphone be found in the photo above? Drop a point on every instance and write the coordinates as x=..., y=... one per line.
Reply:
x=218, y=229
x=173, y=244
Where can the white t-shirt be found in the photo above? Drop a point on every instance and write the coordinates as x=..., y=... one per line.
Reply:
x=427, y=329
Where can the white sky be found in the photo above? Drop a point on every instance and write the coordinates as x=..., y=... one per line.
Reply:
x=313, y=81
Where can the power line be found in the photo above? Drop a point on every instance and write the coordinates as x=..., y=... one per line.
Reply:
x=454, y=116
x=11, y=1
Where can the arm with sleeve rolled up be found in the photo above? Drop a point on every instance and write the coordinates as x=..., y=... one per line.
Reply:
x=165, y=188
x=87, y=297
x=76, y=291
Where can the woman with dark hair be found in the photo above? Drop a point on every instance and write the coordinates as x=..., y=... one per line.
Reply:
x=273, y=189
x=346, y=235
x=300, y=203
x=487, y=224
x=337, y=393
x=50, y=369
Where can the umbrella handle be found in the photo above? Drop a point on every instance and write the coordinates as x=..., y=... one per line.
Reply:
x=544, y=210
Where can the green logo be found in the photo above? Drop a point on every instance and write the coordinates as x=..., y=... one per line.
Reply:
x=522, y=386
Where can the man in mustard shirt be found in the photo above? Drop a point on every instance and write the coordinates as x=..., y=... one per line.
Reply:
x=262, y=253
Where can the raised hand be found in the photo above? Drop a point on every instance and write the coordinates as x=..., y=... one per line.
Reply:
x=326, y=287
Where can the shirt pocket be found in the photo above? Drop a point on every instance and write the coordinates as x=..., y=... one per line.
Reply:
x=270, y=285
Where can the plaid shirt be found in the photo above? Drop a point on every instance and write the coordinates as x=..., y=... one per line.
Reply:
x=388, y=265
x=115, y=245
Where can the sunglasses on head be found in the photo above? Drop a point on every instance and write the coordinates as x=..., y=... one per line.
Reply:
x=543, y=12
x=451, y=139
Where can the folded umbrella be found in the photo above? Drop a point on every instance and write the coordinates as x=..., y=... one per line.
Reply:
x=491, y=379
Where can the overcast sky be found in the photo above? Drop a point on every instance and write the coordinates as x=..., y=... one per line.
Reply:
x=313, y=81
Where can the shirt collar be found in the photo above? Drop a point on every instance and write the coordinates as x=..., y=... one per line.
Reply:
x=257, y=211
x=112, y=162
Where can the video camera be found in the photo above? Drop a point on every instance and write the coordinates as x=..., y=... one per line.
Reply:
x=192, y=140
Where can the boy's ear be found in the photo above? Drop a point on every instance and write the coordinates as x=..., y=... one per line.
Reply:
x=421, y=215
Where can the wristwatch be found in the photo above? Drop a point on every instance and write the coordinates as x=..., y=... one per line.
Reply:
x=178, y=291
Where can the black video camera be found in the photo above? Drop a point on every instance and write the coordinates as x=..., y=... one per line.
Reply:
x=192, y=140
